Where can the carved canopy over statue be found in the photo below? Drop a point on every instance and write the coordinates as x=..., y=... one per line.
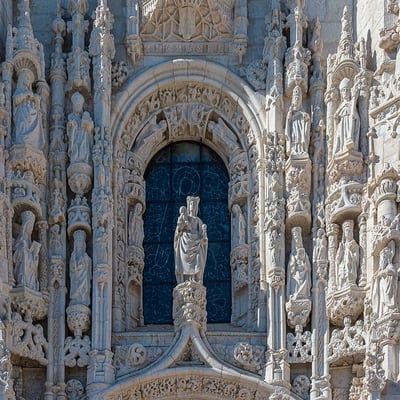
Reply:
x=347, y=119
x=297, y=126
x=190, y=243
x=347, y=257
x=26, y=254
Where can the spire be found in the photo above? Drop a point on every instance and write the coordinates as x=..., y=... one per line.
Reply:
x=24, y=38
x=346, y=43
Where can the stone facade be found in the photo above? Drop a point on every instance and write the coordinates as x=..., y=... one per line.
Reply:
x=299, y=100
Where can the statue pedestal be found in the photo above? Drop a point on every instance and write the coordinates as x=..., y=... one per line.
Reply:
x=32, y=304
x=189, y=305
x=346, y=302
x=298, y=312
x=78, y=319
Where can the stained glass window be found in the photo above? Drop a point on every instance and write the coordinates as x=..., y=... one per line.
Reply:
x=177, y=171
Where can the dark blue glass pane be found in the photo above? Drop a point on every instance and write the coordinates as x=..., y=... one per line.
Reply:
x=185, y=152
x=218, y=302
x=158, y=261
x=159, y=185
x=186, y=180
x=217, y=214
x=157, y=306
x=180, y=170
x=163, y=156
x=157, y=223
x=217, y=256
x=213, y=187
x=208, y=155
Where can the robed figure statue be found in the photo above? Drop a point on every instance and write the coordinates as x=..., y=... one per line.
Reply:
x=190, y=243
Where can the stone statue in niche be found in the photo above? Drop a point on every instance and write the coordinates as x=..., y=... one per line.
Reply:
x=136, y=233
x=27, y=115
x=275, y=248
x=80, y=271
x=101, y=241
x=347, y=119
x=297, y=126
x=384, y=286
x=238, y=226
x=190, y=243
x=299, y=269
x=321, y=246
x=347, y=257
x=80, y=132
x=26, y=254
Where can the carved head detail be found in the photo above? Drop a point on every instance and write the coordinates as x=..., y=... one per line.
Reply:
x=25, y=79
x=77, y=103
x=344, y=89
x=297, y=97
x=193, y=205
x=297, y=240
x=28, y=221
x=80, y=240
x=348, y=227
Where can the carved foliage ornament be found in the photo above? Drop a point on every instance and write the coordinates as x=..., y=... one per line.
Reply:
x=186, y=384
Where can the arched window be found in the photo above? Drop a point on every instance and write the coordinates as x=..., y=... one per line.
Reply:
x=179, y=170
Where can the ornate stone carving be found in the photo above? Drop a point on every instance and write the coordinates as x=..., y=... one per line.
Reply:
x=374, y=379
x=347, y=257
x=347, y=119
x=80, y=132
x=299, y=347
x=26, y=254
x=133, y=357
x=298, y=303
x=119, y=74
x=5, y=362
x=298, y=187
x=256, y=74
x=297, y=127
x=29, y=302
x=75, y=390
x=239, y=265
x=79, y=215
x=346, y=302
x=301, y=385
x=248, y=356
x=190, y=243
x=80, y=267
x=349, y=341
x=297, y=57
x=384, y=284
x=25, y=339
x=171, y=28
x=189, y=305
x=27, y=115
x=76, y=351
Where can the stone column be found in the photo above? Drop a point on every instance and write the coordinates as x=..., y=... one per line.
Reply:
x=101, y=371
x=55, y=381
